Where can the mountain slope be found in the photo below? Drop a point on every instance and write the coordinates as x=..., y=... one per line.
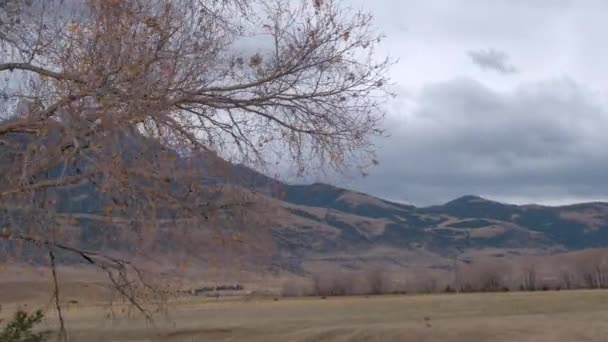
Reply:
x=323, y=220
x=467, y=222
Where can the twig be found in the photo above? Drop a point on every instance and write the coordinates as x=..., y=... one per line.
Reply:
x=121, y=289
x=102, y=261
x=62, y=331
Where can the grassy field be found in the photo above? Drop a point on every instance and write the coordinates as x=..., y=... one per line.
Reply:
x=542, y=316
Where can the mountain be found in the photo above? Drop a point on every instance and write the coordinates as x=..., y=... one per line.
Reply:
x=323, y=222
x=332, y=220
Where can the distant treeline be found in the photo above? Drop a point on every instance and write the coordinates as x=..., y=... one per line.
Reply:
x=586, y=270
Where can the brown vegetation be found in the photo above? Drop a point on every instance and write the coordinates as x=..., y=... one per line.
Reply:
x=529, y=279
x=592, y=269
x=580, y=270
x=129, y=108
x=372, y=281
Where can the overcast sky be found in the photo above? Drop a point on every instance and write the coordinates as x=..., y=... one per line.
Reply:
x=505, y=99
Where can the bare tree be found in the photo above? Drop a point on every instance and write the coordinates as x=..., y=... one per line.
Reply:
x=424, y=281
x=378, y=280
x=567, y=279
x=485, y=275
x=130, y=104
x=592, y=267
x=529, y=278
x=297, y=288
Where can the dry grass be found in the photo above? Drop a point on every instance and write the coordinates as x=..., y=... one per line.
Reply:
x=546, y=316
x=541, y=316
x=593, y=217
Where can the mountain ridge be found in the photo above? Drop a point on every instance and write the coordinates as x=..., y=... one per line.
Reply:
x=469, y=221
x=319, y=219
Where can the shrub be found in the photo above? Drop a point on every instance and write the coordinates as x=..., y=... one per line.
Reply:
x=295, y=288
x=333, y=284
x=378, y=281
x=19, y=329
x=467, y=288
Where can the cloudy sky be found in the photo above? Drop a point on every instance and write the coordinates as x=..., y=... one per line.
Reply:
x=505, y=99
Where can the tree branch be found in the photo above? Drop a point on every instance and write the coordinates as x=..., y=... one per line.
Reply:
x=62, y=331
x=39, y=70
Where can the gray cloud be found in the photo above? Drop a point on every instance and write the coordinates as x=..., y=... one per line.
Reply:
x=530, y=137
x=541, y=142
x=492, y=59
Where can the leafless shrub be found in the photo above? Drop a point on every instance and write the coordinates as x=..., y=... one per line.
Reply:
x=378, y=280
x=592, y=268
x=566, y=278
x=485, y=276
x=343, y=283
x=423, y=282
x=296, y=288
x=529, y=277
x=531, y=273
x=338, y=283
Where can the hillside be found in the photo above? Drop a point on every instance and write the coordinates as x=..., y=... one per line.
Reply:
x=468, y=221
x=324, y=222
